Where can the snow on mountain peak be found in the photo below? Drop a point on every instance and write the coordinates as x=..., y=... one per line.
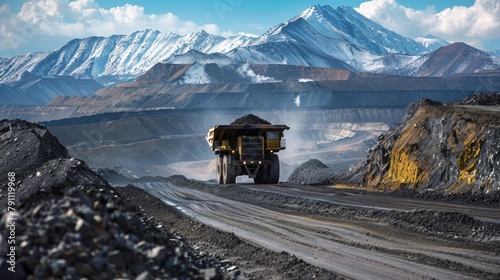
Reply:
x=432, y=42
x=346, y=24
x=309, y=12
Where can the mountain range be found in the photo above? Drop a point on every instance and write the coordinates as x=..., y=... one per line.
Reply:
x=320, y=36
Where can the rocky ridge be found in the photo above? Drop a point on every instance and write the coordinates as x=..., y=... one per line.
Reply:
x=449, y=148
x=70, y=223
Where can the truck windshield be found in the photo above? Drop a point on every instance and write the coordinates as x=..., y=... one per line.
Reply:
x=272, y=136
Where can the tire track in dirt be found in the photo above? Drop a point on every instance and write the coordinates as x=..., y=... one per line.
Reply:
x=350, y=254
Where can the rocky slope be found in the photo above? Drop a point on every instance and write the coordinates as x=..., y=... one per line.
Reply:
x=443, y=148
x=387, y=92
x=38, y=90
x=70, y=223
x=454, y=59
x=181, y=74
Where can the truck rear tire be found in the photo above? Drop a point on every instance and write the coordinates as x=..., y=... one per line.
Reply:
x=228, y=171
x=219, y=169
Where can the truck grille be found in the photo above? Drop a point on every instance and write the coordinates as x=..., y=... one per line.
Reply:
x=252, y=148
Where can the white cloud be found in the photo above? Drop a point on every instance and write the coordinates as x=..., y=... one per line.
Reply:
x=473, y=25
x=63, y=20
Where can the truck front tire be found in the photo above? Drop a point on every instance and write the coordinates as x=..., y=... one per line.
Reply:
x=274, y=169
x=219, y=169
x=273, y=172
x=228, y=171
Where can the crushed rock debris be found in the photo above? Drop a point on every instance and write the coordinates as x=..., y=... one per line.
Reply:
x=72, y=224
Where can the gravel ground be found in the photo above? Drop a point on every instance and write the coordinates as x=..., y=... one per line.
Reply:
x=253, y=261
x=442, y=224
x=452, y=228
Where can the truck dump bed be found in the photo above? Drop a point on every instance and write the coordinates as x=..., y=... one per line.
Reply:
x=221, y=133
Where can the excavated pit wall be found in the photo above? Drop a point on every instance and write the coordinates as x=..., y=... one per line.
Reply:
x=144, y=140
x=445, y=148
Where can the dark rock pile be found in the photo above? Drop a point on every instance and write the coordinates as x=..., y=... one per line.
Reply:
x=39, y=162
x=481, y=99
x=25, y=146
x=250, y=119
x=71, y=224
x=313, y=164
x=312, y=172
x=91, y=232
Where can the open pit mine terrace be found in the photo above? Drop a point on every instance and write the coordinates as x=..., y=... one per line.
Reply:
x=319, y=222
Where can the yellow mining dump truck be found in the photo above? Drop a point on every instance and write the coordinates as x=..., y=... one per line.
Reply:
x=247, y=149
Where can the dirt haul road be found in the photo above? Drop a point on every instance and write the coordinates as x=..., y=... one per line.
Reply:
x=349, y=233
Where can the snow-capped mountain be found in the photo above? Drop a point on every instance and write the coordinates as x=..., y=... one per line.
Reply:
x=432, y=42
x=344, y=24
x=120, y=56
x=319, y=36
x=450, y=60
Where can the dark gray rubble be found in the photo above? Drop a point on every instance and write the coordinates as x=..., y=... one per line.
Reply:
x=480, y=99
x=312, y=172
x=71, y=224
x=250, y=119
x=25, y=146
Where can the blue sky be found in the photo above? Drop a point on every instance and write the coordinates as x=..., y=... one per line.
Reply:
x=246, y=15
x=41, y=25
